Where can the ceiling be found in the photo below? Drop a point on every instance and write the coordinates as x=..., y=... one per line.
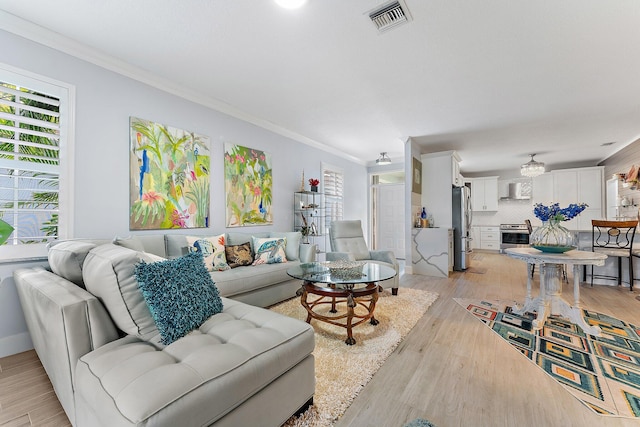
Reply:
x=493, y=79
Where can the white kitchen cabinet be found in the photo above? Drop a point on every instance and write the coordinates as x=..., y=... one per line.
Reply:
x=475, y=237
x=490, y=238
x=484, y=193
x=580, y=185
x=565, y=187
x=542, y=189
x=590, y=187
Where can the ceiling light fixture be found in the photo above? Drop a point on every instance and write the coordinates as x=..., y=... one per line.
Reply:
x=290, y=4
x=383, y=160
x=532, y=168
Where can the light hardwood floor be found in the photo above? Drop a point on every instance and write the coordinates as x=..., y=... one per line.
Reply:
x=454, y=371
x=451, y=369
x=26, y=395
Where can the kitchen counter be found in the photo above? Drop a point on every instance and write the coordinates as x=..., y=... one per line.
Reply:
x=432, y=251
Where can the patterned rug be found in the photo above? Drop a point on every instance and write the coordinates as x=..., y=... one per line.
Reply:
x=602, y=372
x=343, y=370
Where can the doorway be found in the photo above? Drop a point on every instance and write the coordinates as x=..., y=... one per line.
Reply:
x=387, y=211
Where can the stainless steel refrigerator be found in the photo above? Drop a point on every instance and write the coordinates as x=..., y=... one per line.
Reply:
x=461, y=221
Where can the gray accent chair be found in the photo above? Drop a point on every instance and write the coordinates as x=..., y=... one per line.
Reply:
x=347, y=243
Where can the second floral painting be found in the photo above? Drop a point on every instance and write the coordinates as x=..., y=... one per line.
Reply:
x=248, y=182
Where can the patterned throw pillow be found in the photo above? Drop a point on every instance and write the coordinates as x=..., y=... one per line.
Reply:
x=180, y=294
x=212, y=249
x=238, y=255
x=269, y=250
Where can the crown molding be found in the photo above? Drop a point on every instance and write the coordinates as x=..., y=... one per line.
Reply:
x=57, y=41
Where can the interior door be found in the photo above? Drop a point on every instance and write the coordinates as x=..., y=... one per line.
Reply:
x=390, y=218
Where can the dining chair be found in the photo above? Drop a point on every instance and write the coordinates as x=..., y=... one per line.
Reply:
x=615, y=239
x=530, y=228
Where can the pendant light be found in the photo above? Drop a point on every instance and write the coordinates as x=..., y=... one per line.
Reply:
x=532, y=168
x=383, y=160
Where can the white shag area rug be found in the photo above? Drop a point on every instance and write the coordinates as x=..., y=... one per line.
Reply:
x=342, y=370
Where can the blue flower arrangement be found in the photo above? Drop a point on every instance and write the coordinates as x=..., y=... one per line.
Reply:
x=554, y=213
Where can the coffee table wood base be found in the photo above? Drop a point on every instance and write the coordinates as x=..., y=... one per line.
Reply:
x=365, y=297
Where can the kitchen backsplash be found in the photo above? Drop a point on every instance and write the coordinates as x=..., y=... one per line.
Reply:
x=509, y=212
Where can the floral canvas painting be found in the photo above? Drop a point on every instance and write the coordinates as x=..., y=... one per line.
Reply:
x=169, y=185
x=248, y=183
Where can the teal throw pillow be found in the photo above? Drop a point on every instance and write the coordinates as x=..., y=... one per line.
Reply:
x=180, y=294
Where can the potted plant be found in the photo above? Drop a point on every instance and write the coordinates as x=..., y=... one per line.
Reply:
x=314, y=184
x=551, y=236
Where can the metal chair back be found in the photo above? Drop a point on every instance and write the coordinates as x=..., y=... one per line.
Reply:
x=528, y=224
x=613, y=235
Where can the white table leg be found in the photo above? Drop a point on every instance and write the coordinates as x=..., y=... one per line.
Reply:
x=530, y=304
x=575, y=313
x=553, y=302
x=576, y=286
x=543, y=306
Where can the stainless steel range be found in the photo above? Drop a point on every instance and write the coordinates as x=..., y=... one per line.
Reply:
x=513, y=236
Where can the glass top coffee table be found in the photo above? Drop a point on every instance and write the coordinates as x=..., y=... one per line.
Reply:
x=333, y=283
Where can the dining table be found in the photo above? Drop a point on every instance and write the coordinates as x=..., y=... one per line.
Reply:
x=550, y=301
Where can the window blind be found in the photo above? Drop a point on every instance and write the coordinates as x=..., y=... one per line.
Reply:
x=333, y=186
x=29, y=163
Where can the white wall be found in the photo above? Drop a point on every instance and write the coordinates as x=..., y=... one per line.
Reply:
x=104, y=102
x=412, y=202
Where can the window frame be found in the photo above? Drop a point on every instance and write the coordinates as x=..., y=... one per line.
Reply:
x=66, y=94
x=326, y=167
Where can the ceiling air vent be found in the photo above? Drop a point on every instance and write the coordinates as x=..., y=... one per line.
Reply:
x=389, y=16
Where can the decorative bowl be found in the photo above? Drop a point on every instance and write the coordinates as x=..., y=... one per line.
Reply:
x=345, y=269
x=553, y=249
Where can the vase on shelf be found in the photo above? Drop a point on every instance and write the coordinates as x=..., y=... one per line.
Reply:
x=314, y=188
x=551, y=236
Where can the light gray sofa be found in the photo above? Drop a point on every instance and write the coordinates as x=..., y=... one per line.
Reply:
x=260, y=285
x=99, y=345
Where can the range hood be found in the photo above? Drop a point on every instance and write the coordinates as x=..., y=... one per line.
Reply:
x=515, y=192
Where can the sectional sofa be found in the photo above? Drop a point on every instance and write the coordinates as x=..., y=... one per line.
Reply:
x=105, y=356
x=261, y=285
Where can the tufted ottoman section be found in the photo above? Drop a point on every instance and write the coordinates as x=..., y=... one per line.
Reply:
x=197, y=379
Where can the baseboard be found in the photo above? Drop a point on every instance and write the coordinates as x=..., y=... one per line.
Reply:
x=15, y=344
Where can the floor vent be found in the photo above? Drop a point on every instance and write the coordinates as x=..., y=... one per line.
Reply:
x=390, y=16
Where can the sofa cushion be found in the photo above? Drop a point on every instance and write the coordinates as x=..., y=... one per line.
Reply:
x=292, y=247
x=109, y=274
x=176, y=245
x=238, y=281
x=130, y=242
x=212, y=249
x=238, y=255
x=66, y=259
x=179, y=293
x=269, y=250
x=153, y=244
x=199, y=378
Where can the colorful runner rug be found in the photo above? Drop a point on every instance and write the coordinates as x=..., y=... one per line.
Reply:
x=602, y=372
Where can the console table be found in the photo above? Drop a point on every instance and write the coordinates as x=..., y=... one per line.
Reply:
x=550, y=301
